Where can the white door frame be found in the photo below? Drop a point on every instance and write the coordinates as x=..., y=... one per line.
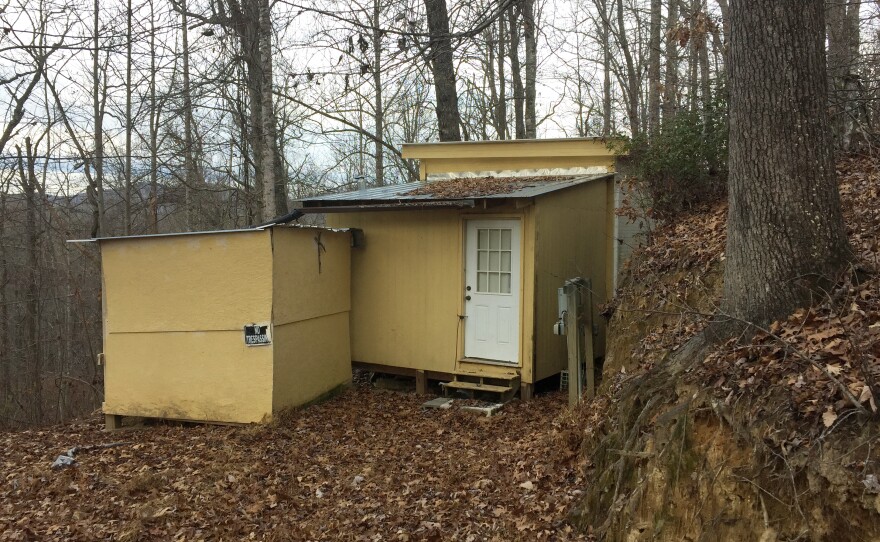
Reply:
x=493, y=289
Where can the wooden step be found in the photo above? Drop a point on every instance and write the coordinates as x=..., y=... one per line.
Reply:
x=475, y=386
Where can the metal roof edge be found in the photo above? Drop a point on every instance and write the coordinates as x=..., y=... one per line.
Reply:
x=209, y=232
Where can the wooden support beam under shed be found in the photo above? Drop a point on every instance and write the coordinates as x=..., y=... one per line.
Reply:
x=112, y=422
x=421, y=383
x=526, y=391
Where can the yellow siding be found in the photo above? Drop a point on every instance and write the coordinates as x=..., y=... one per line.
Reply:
x=572, y=239
x=473, y=156
x=175, y=308
x=302, y=290
x=312, y=357
x=208, y=376
x=191, y=282
x=407, y=287
x=311, y=314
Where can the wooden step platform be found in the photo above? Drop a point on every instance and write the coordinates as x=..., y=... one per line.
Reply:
x=475, y=386
x=504, y=387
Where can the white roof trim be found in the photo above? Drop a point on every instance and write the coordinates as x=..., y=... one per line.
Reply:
x=543, y=172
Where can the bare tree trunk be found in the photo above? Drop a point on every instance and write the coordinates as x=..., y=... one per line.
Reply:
x=632, y=87
x=785, y=228
x=531, y=67
x=5, y=357
x=153, y=214
x=654, y=69
x=843, y=55
x=28, y=180
x=378, y=110
x=98, y=111
x=443, y=70
x=126, y=226
x=605, y=44
x=189, y=168
x=670, y=86
x=273, y=202
x=501, y=110
x=516, y=74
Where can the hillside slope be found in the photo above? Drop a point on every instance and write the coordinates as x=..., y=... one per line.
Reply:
x=774, y=437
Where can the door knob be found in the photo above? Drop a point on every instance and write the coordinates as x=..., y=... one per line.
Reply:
x=468, y=288
x=467, y=298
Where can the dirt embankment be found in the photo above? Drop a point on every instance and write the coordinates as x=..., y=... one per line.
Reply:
x=774, y=438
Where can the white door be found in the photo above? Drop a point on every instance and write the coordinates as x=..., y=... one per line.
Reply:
x=492, y=290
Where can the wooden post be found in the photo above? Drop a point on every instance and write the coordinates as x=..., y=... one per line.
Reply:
x=421, y=383
x=112, y=422
x=588, y=341
x=526, y=391
x=573, y=338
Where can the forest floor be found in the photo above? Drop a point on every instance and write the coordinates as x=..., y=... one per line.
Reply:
x=366, y=465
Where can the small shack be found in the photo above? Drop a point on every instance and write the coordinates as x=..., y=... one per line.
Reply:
x=228, y=326
x=457, y=276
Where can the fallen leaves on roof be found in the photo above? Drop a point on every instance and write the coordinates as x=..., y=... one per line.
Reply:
x=480, y=186
x=366, y=465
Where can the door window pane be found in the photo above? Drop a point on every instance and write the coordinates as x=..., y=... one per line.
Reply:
x=494, y=260
x=482, y=260
x=494, y=264
x=482, y=282
x=505, y=262
x=494, y=286
x=505, y=239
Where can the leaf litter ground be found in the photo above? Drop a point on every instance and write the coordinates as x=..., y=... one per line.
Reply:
x=366, y=465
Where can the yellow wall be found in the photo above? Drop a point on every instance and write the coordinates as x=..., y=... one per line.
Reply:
x=175, y=308
x=312, y=357
x=174, y=317
x=201, y=375
x=572, y=239
x=173, y=283
x=301, y=290
x=310, y=334
x=473, y=156
x=408, y=290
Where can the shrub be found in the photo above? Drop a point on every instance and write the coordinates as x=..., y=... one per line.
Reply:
x=685, y=164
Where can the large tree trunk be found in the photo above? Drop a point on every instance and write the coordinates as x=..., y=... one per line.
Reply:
x=785, y=228
x=443, y=70
x=530, y=35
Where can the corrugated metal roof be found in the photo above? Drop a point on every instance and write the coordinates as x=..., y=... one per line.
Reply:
x=210, y=232
x=400, y=193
